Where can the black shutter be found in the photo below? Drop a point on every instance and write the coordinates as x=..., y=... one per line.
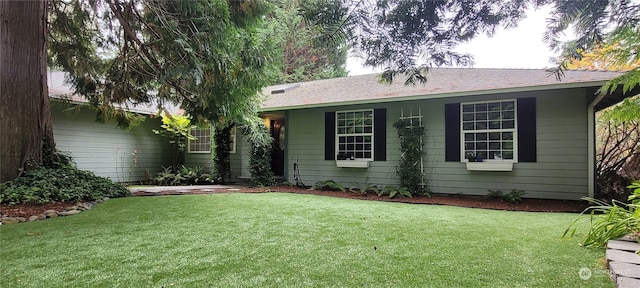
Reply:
x=452, y=132
x=330, y=136
x=527, y=130
x=380, y=135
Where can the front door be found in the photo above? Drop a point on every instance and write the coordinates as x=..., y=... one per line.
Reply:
x=277, y=155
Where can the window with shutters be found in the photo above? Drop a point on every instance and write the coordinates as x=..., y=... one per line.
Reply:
x=489, y=131
x=354, y=134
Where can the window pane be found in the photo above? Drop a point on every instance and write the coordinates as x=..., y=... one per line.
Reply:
x=481, y=125
x=367, y=139
x=494, y=116
x=467, y=117
x=468, y=137
x=481, y=107
x=467, y=108
x=481, y=116
x=467, y=126
x=494, y=125
x=494, y=106
x=481, y=145
x=481, y=136
x=508, y=115
x=510, y=124
x=507, y=155
x=494, y=145
x=469, y=146
x=507, y=105
x=507, y=145
x=494, y=136
x=507, y=135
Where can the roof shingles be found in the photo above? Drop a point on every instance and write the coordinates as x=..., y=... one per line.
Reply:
x=441, y=82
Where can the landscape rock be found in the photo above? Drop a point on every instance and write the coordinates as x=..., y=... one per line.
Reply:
x=42, y=217
x=33, y=218
x=69, y=212
x=53, y=214
x=10, y=220
x=49, y=212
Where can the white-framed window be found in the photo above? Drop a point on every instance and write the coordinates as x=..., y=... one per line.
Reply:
x=354, y=134
x=489, y=131
x=202, y=144
x=232, y=140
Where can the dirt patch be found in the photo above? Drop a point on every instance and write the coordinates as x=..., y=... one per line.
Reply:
x=527, y=204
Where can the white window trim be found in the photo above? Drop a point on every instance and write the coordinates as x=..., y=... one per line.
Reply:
x=463, y=158
x=337, y=140
x=210, y=141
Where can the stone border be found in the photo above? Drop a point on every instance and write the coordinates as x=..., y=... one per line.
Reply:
x=76, y=209
x=623, y=262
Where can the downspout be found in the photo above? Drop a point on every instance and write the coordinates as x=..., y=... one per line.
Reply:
x=591, y=146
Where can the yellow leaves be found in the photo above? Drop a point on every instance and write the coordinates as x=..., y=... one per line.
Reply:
x=601, y=58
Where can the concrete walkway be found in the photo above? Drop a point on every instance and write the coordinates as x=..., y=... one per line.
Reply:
x=623, y=262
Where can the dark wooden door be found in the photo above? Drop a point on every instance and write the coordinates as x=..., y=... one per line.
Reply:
x=277, y=155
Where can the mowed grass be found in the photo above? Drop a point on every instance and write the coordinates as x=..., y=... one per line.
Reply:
x=292, y=240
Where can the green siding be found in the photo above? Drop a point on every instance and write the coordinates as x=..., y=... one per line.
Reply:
x=560, y=173
x=105, y=149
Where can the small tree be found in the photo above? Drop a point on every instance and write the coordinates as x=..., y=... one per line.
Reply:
x=221, y=156
x=178, y=129
x=260, y=143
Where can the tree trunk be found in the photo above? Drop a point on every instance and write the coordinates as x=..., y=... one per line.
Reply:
x=25, y=115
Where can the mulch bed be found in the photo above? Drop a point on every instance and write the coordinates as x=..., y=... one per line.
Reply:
x=527, y=204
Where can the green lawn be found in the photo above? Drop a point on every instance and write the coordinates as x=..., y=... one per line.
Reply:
x=291, y=240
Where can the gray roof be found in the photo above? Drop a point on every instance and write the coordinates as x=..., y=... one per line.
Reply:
x=441, y=83
x=60, y=89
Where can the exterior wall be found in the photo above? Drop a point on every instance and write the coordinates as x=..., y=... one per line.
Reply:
x=105, y=149
x=204, y=159
x=559, y=173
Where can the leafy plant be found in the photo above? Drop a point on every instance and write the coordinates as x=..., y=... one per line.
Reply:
x=610, y=221
x=515, y=196
x=65, y=184
x=178, y=129
x=393, y=191
x=363, y=190
x=184, y=176
x=412, y=152
x=328, y=185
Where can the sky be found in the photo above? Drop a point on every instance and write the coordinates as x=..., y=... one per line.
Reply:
x=519, y=47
